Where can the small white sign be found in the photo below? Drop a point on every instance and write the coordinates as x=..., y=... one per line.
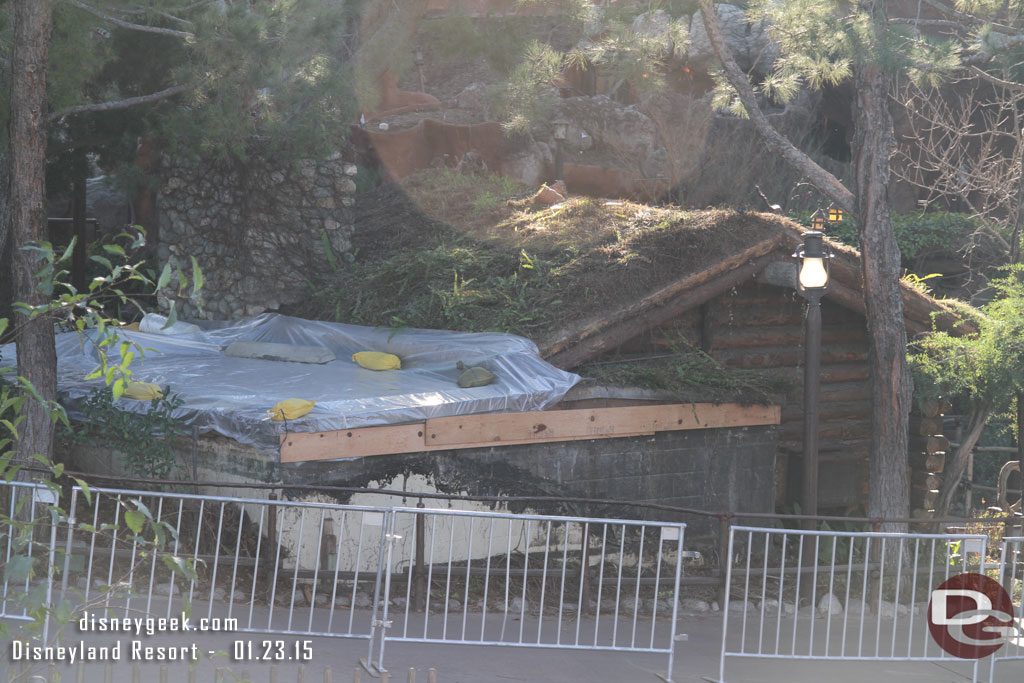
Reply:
x=973, y=546
x=373, y=518
x=44, y=496
x=670, y=533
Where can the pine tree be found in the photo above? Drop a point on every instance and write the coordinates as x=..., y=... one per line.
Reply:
x=208, y=79
x=827, y=42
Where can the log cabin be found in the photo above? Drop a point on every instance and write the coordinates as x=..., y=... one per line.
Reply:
x=744, y=311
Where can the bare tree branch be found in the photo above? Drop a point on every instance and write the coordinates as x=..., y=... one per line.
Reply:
x=938, y=23
x=1009, y=85
x=120, y=104
x=776, y=142
x=127, y=24
x=966, y=148
x=967, y=18
x=162, y=13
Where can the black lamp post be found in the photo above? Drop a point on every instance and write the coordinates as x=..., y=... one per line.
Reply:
x=812, y=281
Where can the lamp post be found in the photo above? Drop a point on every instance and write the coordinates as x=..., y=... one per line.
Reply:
x=812, y=281
x=560, y=133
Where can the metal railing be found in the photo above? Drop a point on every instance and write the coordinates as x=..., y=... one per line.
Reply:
x=868, y=593
x=24, y=502
x=297, y=674
x=260, y=566
x=1007, y=525
x=1011, y=576
x=490, y=578
x=377, y=574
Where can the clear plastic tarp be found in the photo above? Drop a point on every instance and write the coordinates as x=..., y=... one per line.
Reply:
x=232, y=395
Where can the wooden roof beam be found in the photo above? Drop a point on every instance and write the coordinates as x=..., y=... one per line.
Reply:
x=579, y=346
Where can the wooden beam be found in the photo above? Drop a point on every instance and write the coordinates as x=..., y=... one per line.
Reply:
x=507, y=429
x=559, y=424
x=651, y=312
x=573, y=336
x=351, y=443
x=305, y=446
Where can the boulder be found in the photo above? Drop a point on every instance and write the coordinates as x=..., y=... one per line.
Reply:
x=748, y=42
x=530, y=166
x=829, y=605
x=474, y=97
x=654, y=24
x=694, y=606
x=740, y=606
x=551, y=194
x=599, y=122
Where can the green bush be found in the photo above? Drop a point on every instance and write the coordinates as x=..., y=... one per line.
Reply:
x=918, y=234
x=145, y=439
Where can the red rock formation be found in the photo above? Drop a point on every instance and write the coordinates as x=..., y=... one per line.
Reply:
x=392, y=100
x=405, y=151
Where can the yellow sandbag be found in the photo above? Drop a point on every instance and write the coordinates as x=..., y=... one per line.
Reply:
x=377, y=360
x=290, y=409
x=142, y=391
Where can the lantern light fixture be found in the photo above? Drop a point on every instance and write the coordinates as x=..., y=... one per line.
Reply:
x=813, y=262
x=818, y=221
x=561, y=129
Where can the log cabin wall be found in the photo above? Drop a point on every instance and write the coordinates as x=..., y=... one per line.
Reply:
x=761, y=326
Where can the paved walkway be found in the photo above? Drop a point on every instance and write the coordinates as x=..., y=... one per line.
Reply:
x=696, y=658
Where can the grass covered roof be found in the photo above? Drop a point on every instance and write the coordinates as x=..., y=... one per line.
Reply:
x=445, y=250
x=472, y=253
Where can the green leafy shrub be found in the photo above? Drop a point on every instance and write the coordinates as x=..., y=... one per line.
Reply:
x=987, y=367
x=918, y=234
x=145, y=439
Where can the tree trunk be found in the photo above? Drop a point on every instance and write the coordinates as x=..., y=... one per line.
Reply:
x=37, y=359
x=6, y=286
x=775, y=141
x=78, y=229
x=892, y=387
x=891, y=383
x=955, y=466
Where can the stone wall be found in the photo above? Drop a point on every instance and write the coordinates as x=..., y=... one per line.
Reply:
x=256, y=229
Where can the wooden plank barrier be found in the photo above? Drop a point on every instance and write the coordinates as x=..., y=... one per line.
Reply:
x=506, y=429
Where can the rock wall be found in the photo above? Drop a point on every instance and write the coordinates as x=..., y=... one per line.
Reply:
x=255, y=228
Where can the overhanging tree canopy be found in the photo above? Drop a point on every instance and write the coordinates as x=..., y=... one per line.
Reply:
x=822, y=41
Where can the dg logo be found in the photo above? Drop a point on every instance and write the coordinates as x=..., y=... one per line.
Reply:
x=970, y=616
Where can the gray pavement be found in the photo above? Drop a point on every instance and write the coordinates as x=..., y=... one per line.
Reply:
x=697, y=659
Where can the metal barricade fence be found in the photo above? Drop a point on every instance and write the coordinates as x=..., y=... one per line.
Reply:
x=1011, y=576
x=532, y=581
x=322, y=569
x=25, y=502
x=867, y=593
x=262, y=566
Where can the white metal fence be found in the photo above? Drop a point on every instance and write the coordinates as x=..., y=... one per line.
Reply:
x=379, y=574
x=1011, y=576
x=867, y=593
x=535, y=581
x=26, y=503
x=261, y=566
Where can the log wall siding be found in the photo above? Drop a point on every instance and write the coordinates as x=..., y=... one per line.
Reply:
x=761, y=326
